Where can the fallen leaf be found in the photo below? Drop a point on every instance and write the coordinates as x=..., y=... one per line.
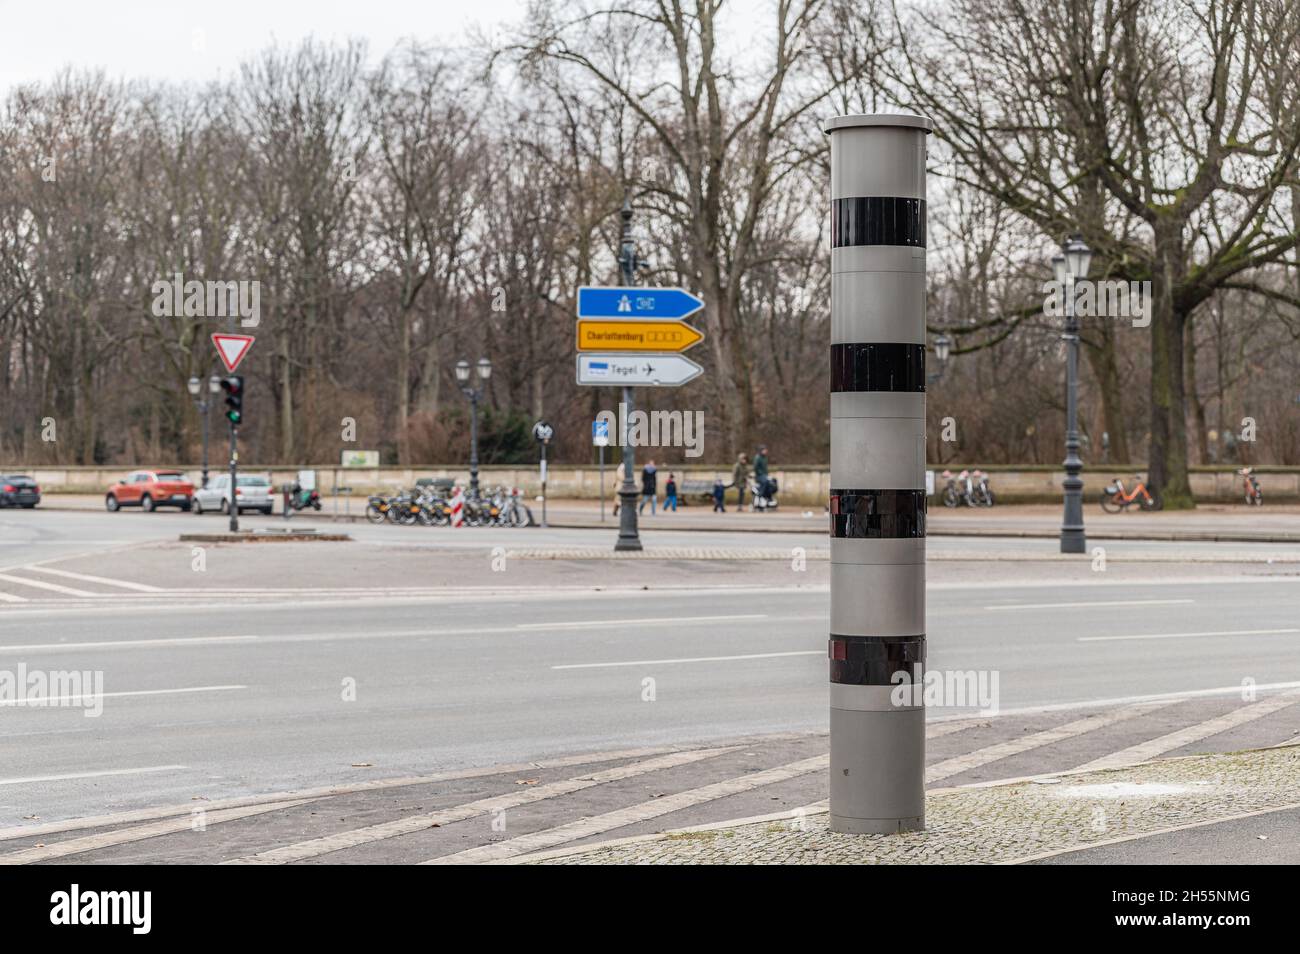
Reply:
x=526, y=781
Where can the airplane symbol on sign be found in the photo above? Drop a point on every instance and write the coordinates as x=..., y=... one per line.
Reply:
x=649, y=369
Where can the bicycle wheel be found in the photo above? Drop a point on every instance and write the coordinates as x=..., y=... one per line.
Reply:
x=1111, y=503
x=950, y=497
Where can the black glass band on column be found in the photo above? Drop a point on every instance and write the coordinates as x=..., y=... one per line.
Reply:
x=877, y=220
x=877, y=514
x=882, y=366
x=873, y=660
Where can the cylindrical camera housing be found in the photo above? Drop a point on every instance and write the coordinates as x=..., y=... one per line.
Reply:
x=877, y=505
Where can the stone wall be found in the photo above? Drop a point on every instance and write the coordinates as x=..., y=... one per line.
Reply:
x=808, y=486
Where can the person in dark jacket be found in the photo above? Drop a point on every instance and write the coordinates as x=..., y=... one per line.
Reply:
x=648, y=487
x=719, y=496
x=740, y=477
x=760, y=470
x=670, y=495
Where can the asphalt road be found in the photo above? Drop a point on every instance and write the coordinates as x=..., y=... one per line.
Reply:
x=223, y=695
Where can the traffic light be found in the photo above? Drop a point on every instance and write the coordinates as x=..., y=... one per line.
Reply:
x=234, y=388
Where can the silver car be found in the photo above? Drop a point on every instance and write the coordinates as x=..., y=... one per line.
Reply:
x=254, y=493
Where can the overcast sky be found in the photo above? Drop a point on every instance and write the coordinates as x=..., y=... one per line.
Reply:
x=186, y=40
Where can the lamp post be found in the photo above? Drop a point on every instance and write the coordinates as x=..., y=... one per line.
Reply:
x=942, y=349
x=195, y=386
x=1071, y=265
x=463, y=371
x=628, y=535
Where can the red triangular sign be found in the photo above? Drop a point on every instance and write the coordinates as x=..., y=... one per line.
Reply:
x=232, y=349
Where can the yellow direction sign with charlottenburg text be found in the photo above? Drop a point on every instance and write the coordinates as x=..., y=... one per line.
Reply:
x=613, y=334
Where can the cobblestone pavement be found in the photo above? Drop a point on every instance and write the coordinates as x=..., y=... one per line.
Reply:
x=999, y=824
x=684, y=802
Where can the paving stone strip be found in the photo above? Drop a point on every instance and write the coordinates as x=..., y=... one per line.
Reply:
x=1001, y=824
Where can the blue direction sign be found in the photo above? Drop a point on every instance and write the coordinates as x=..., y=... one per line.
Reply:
x=641, y=303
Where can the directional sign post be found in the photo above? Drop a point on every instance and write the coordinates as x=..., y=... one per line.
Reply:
x=629, y=336
x=600, y=438
x=642, y=370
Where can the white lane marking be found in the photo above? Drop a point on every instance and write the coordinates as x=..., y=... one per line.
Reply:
x=1193, y=733
x=87, y=578
x=1128, y=700
x=42, y=585
x=31, y=779
x=126, y=644
x=690, y=659
x=631, y=815
x=1085, y=604
x=1223, y=632
x=124, y=836
x=1002, y=750
x=524, y=796
x=74, y=699
x=646, y=621
x=10, y=598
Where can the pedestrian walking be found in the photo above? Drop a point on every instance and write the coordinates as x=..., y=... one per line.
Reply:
x=719, y=495
x=739, y=477
x=760, y=470
x=648, y=487
x=670, y=494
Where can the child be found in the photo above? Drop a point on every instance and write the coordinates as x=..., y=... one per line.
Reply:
x=670, y=494
x=719, y=492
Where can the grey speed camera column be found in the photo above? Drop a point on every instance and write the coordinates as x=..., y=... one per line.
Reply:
x=877, y=500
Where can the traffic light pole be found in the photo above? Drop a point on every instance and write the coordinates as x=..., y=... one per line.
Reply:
x=234, y=479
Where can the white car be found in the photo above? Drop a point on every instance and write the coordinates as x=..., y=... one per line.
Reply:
x=254, y=493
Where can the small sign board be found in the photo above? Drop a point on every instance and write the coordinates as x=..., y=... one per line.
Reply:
x=600, y=433
x=634, y=302
x=639, y=370
x=612, y=334
x=359, y=458
x=231, y=349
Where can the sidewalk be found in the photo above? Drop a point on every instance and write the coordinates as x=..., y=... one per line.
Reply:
x=1227, y=798
x=1208, y=523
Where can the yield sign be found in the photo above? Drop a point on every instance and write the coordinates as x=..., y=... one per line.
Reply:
x=232, y=349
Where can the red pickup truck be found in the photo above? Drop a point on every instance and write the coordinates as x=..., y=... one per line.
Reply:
x=149, y=490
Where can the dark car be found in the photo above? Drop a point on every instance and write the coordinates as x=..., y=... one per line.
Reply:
x=17, y=490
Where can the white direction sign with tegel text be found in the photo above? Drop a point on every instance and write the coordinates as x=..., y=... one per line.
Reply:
x=639, y=370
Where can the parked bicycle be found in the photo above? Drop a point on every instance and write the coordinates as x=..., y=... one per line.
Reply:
x=1254, y=496
x=968, y=487
x=425, y=505
x=981, y=492
x=1116, y=497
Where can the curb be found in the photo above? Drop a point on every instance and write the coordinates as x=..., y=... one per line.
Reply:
x=253, y=536
x=1161, y=536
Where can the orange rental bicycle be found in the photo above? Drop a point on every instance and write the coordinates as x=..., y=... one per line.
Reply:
x=1115, y=498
